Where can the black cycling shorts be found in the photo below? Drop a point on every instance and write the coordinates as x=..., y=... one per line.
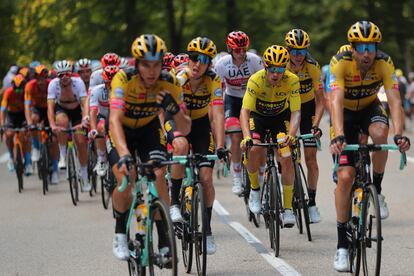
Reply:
x=42, y=112
x=307, y=114
x=148, y=142
x=259, y=124
x=232, y=106
x=74, y=115
x=15, y=119
x=357, y=122
x=200, y=138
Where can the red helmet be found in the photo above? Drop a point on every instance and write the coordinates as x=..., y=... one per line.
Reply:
x=237, y=39
x=167, y=60
x=109, y=72
x=180, y=59
x=110, y=59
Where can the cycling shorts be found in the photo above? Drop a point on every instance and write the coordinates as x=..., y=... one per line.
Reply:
x=259, y=125
x=232, y=107
x=357, y=122
x=15, y=120
x=74, y=115
x=148, y=142
x=307, y=112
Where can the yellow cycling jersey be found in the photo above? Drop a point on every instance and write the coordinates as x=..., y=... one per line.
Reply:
x=267, y=100
x=139, y=103
x=361, y=91
x=309, y=79
x=208, y=92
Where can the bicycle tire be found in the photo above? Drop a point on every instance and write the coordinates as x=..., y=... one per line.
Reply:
x=158, y=207
x=107, y=186
x=303, y=205
x=198, y=211
x=72, y=177
x=43, y=166
x=92, y=159
x=19, y=168
x=134, y=261
x=354, y=247
x=187, y=244
x=368, y=239
x=275, y=207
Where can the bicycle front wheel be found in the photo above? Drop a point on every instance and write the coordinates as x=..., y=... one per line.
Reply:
x=185, y=234
x=72, y=177
x=19, y=168
x=199, y=228
x=275, y=207
x=300, y=204
x=371, y=241
x=107, y=186
x=43, y=167
x=164, y=255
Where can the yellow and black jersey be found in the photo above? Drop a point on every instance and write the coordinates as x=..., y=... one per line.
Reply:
x=139, y=103
x=208, y=92
x=309, y=79
x=267, y=100
x=360, y=91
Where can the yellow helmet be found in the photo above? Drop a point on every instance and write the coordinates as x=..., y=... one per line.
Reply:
x=364, y=31
x=275, y=55
x=202, y=45
x=297, y=39
x=148, y=47
x=344, y=48
x=399, y=73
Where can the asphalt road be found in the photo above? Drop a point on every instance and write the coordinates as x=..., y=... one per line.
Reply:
x=47, y=235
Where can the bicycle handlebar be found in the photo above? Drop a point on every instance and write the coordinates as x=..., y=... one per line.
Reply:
x=310, y=136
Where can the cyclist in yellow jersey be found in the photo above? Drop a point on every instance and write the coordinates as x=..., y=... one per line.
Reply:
x=202, y=88
x=271, y=102
x=355, y=78
x=312, y=105
x=138, y=96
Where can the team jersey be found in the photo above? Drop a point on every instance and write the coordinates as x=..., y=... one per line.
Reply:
x=309, y=79
x=235, y=78
x=34, y=96
x=12, y=101
x=96, y=78
x=360, y=92
x=139, y=103
x=99, y=100
x=208, y=92
x=265, y=99
x=54, y=90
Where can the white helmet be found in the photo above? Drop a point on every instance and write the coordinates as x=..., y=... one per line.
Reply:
x=83, y=63
x=63, y=66
x=124, y=63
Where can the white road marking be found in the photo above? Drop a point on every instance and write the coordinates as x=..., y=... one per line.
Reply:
x=279, y=264
x=410, y=159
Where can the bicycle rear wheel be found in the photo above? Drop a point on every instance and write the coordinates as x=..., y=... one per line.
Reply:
x=199, y=228
x=72, y=177
x=161, y=260
x=371, y=241
x=19, y=168
x=107, y=187
x=301, y=203
x=275, y=205
x=185, y=234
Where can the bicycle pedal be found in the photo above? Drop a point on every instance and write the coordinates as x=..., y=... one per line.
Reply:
x=288, y=225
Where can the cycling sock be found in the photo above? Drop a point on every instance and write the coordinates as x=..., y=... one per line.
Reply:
x=175, y=191
x=209, y=212
x=287, y=196
x=254, y=181
x=121, y=221
x=312, y=196
x=62, y=150
x=35, y=143
x=55, y=165
x=342, y=239
x=161, y=231
x=377, y=180
x=101, y=155
x=236, y=170
x=261, y=173
x=11, y=154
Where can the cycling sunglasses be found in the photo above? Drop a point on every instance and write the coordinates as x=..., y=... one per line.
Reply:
x=240, y=50
x=362, y=47
x=62, y=75
x=275, y=69
x=296, y=52
x=203, y=59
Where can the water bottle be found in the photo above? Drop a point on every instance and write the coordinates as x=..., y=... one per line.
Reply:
x=141, y=212
x=285, y=151
x=188, y=196
x=357, y=202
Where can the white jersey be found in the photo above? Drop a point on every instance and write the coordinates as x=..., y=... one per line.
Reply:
x=54, y=90
x=96, y=78
x=100, y=100
x=235, y=78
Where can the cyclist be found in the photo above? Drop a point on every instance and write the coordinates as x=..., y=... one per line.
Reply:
x=99, y=111
x=138, y=95
x=168, y=62
x=180, y=62
x=12, y=116
x=66, y=103
x=35, y=102
x=307, y=69
x=271, y=102
x=234, y=70
x=355, y=78
x=107, y=59
x=84, y=69
x=202, y=86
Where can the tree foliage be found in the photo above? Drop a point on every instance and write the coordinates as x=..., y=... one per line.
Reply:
x=48, y=30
